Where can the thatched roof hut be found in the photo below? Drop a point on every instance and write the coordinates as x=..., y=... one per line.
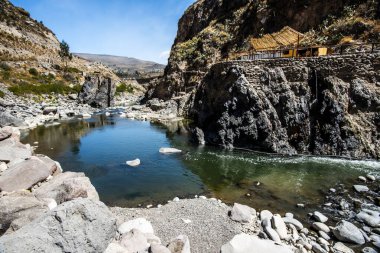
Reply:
x=286, y=37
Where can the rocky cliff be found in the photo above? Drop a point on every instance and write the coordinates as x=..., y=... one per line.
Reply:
x=211, y=29
x=320, y=106
x=98, y=91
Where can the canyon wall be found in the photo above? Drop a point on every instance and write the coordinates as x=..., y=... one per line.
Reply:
x=320, y=106
x=211, y=30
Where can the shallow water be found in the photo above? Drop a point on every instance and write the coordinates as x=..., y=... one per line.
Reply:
x=100, y=146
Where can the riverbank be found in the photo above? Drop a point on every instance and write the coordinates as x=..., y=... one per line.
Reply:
x=29, y=201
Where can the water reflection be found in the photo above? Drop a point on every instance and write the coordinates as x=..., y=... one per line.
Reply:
x=101, y=145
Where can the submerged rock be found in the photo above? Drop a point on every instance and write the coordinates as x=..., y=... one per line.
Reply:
x=134, y=163
x=361, y=188
x=169, y=150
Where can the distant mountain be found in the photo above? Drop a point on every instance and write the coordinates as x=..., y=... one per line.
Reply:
x=125, y=64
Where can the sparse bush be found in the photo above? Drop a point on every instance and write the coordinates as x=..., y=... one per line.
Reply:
x=33, y=72
x=2, y=94
x=4, y=66
x=6, y=75
x=124, y=88
x=25, y=88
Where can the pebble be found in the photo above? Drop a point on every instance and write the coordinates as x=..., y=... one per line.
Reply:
x=176, y=199
x=319, y=217
x=361, y=188
x=371, y=177
x=319, y=226
x=363, y=179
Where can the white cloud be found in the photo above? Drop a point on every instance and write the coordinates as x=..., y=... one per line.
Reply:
x=165, y=54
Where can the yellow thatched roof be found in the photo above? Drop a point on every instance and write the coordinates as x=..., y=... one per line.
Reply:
x=287, y=36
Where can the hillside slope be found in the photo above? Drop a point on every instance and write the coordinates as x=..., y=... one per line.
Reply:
x=29, y=53
x=210, y=30
x=124, y=64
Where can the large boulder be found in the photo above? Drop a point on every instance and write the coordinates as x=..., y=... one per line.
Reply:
x=244, y=243
x=242, y=213
x=11, y=149
x=67, y=186
x=81, y=225
x=17, y=208
x=347, y=232
x=97, y=91
x=24, y=175
x=7, y=119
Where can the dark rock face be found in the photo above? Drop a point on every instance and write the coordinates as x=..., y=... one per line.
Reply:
x=211, y=29
x=98, y=91
x=321, y=106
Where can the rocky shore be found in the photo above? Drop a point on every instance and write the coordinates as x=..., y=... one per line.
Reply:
x=44, y=209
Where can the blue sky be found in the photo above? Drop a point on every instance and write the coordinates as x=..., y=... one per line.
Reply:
x=143, y=29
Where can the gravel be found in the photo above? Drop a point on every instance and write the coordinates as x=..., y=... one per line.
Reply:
x=209, y=229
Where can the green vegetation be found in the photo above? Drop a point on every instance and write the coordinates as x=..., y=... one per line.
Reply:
x=31, y=82
x=58, y=87
x=64, y=52
x=33, y=72
x=2, y=94
x=124, y=88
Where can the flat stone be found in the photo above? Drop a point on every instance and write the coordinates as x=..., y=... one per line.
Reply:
x=134, y=163
x=25, y=175
x=81, y=225
x=134, y=241
x=347, y=232
x=341, y=248
x=114, y=247
x=4, y=134
x=371, y=177
x=319, y=226
x=318, y=248
x=156, y=248
x=67, y=186
x=279, y=226
x=324, y=235
x=369, y=250
x=361, y=188
x=19, y=205
x=272, y=234
x=369, y=217
x=181, y=244
x=169, y=150
x=3, y=167
x=140, y=223
x=244, y=243
x=319, y=217
x=242, y=213
x=265, y=214
x=294, y=222
x=11, y=149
